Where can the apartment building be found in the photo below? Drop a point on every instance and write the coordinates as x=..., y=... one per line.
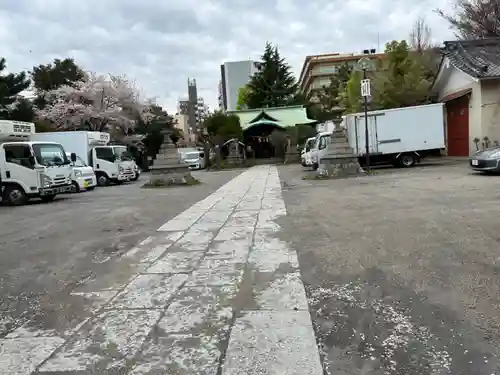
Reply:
x=201, y=111
x=317, y=69
x=190, y=116
x=180, y=122
x=234, y=75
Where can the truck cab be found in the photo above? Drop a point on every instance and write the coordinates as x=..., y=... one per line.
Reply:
x=305, y=155
x=110, y=163
x=322, y=140
x=31, y=169
x=125, y=158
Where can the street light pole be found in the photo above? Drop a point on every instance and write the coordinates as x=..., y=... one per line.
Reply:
x=367, y=136
x=364, y=64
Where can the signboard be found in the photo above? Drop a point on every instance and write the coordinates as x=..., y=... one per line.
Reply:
x=365, y=87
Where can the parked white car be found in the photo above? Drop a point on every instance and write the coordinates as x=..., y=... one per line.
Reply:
x=195, y=159
x=83, y=177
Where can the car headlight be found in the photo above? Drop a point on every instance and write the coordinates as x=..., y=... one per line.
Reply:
x=78, y=173
x=120, y=169
x=46, y=182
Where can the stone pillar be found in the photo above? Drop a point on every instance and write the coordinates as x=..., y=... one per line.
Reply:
x=168, y=168
x=339, y=159
x=234, y=153
x=291, y=154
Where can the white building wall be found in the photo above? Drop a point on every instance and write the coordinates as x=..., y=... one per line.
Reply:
x=237, y=75
x=490, y=113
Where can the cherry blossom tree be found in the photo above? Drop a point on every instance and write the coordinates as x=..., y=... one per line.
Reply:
x=96, y=103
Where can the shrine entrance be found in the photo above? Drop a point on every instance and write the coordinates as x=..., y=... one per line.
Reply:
x=259, y=140
x=259, y=124
x=257, y=136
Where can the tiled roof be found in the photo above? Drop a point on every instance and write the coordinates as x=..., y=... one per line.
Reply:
x=478, y=58
x=287, y=116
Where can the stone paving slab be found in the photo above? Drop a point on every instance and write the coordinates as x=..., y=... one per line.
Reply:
x=214, y=290
x=23, y=355
x=148, y=292
x=272, y=342
x=105, y=342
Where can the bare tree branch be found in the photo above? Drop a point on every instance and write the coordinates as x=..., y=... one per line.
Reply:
x=420, y=36
x=474, y=19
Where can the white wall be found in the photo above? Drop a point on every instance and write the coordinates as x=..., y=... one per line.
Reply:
x=490, y=110
x=475, y=120
x=454, y=80
x=327, y=126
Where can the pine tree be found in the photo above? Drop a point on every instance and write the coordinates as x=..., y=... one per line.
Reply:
x=274, y=85
x=11, y=85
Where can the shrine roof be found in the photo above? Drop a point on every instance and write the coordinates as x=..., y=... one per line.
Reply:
x=279, y=116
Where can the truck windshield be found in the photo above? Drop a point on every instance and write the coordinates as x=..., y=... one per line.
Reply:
x=310, y=144
x=49, y=154
x=192, y=155
x=121, y=153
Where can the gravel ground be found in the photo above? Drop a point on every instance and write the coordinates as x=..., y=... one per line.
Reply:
x=402, y=269
x=49, y=250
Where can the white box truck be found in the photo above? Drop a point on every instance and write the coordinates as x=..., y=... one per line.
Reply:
x=31, y=169
x=399, y=136
x=112, y=164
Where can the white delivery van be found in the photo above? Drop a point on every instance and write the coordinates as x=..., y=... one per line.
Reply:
x=111, y=164
x=31, y=169
x=399, y=136
x=83, y=176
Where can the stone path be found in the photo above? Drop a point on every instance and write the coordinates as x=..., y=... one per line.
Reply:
x=216, y=293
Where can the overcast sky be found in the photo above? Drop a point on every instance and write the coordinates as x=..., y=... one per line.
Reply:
x=160, y=43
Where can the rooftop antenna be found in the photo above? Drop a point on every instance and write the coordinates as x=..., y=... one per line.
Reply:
x=378, y=41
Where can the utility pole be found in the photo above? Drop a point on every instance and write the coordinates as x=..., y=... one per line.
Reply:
x=365, y=94
x=364, y=64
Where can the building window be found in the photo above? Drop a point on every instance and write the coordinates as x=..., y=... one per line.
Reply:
x=327, y=69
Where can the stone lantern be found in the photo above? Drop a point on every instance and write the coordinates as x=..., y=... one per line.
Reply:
x=168, y=168
x=338, y=159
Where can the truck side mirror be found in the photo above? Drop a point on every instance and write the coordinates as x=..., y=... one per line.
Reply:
x=32, y=160
x=73, y=157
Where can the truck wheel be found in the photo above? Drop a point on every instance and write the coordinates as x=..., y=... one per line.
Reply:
x=48, y=198
x=136, y=177
x=407, y=160
x=102, y=180
x=315, y=166
x=75, y=188
x=14, y=195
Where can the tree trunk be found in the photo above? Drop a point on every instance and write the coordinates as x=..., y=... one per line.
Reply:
x=206, y=150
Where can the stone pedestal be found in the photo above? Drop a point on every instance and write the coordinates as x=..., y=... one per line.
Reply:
x=234, y=154
x=291, y=153
x=339, y=159
x=168, y=168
